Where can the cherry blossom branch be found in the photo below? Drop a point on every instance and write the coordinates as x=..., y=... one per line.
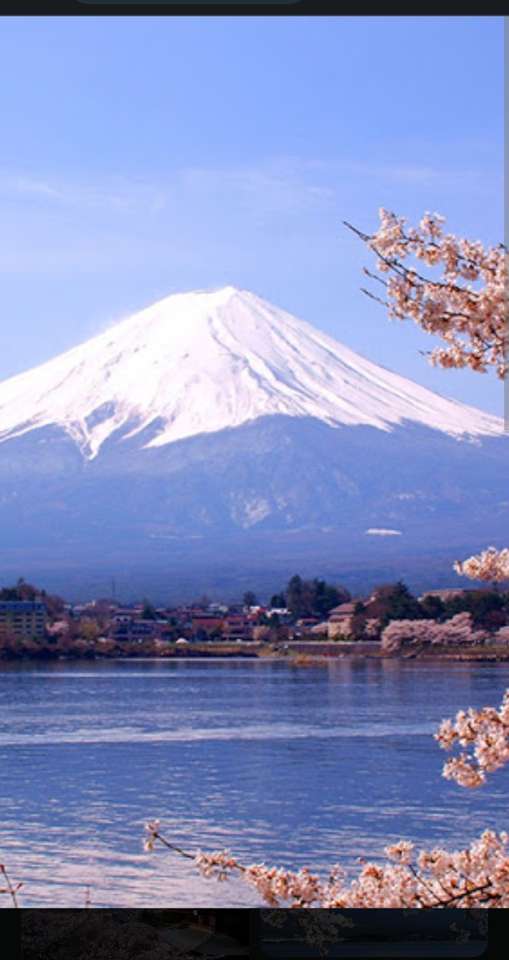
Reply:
x=9, y=887
x=398, y=885
x=472, y=323
x=152, y=828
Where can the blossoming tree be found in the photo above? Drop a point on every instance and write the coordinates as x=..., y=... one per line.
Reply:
x=411, y=633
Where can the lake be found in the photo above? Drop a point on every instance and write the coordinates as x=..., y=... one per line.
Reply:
x=289, y=765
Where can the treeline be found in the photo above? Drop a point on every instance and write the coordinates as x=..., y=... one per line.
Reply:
x=317, y=597
x=308, y=598
x=392, y=601
x=489, y=609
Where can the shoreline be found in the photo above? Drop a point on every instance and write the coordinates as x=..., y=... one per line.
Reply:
x=299, y=653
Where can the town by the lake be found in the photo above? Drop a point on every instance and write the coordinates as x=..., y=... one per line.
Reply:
x=308, y=619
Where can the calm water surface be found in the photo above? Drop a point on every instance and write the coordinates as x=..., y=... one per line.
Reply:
x=277, y=763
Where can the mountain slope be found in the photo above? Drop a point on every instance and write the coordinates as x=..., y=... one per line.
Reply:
x=202, y=362
x=248, y=507
x=214, y=442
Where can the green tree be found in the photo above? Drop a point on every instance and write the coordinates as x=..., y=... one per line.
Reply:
x=395, y=602
x=278, y=600
x=433, y=607
x=295, y=596
x=311, y=597
x=325, y=597
x=488, y=607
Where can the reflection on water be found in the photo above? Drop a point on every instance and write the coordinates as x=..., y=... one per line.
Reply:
x=277, y=763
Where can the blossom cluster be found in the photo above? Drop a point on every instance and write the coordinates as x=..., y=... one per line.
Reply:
x=485, y=735
x=466, y=306
x=490, y=565
x=474, y=877
x=275, y=884
x=152, y=829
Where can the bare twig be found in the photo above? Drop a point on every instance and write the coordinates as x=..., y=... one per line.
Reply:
x=10, y=889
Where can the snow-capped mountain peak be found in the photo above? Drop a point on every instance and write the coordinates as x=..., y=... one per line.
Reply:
x=205, y=361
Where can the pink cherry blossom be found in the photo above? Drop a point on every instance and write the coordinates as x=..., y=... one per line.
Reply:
x=490, y=565
x=466, y=306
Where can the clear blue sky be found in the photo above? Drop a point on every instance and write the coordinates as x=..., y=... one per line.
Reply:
x=142, y=156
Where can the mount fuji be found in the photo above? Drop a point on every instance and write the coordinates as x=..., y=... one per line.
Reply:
x=213, y=440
